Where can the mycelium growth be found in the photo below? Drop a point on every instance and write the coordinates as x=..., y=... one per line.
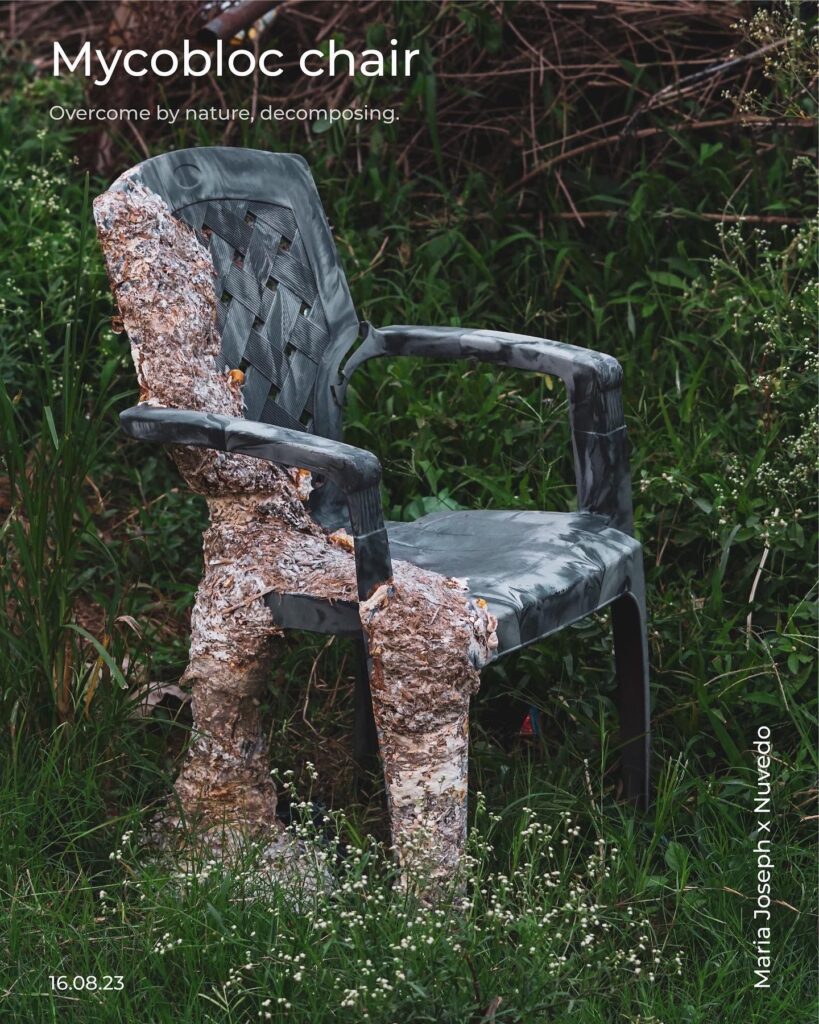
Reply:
x=426, y=637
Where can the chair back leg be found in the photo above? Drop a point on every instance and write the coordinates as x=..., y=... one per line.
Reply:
x=628, y=616
x=365, y=738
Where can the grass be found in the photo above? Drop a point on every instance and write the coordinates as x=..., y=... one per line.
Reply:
x=716, y=332
x=572, y=910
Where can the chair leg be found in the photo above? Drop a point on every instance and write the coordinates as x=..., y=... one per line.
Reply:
x=365, y=738
x=628, y=616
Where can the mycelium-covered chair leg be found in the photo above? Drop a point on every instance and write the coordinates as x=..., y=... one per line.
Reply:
x=422, y=680
x=225, y=782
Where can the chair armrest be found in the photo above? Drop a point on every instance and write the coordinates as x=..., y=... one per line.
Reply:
x=593, y=382
x=355, y=471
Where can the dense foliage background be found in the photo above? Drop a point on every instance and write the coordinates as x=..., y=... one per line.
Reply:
x=676, y=232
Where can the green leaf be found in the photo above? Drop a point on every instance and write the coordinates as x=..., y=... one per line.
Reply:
x=116, y=672
x=669, y=280
x=676, y=857
x=630, y=322
x=52, y=427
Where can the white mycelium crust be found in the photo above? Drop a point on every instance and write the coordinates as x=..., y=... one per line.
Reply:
x=427, y=637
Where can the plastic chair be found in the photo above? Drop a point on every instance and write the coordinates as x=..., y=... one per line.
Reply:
x=287, y=319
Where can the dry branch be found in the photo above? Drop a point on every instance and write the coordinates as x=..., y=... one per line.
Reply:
x=516, y=75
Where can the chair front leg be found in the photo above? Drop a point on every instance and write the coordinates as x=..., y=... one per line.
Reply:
x=628, y=615
x=425, y=771
x=427, y=640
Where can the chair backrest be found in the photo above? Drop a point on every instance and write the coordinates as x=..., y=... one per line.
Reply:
x=285, y=313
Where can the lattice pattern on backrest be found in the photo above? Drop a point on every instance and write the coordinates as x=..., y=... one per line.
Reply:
x=270, y=316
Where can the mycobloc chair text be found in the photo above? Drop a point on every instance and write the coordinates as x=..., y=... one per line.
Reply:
x=195, y=63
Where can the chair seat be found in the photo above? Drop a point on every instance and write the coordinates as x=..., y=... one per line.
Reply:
x=537, y=571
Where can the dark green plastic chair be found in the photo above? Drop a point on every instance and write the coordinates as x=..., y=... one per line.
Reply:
x=287, y=319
